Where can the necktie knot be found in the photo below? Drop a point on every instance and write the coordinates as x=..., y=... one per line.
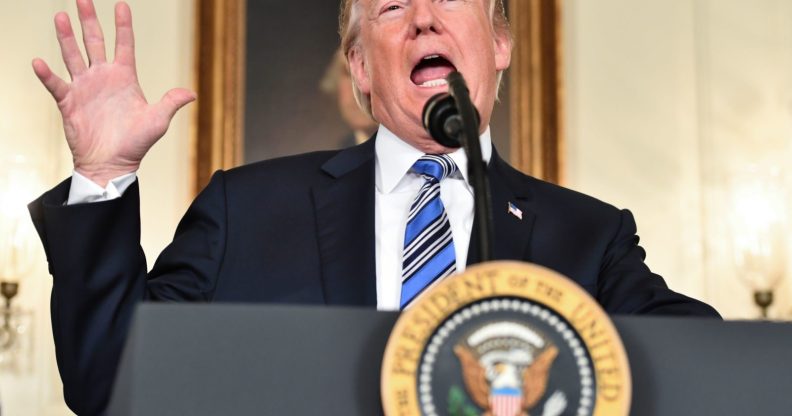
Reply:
x=435, y=167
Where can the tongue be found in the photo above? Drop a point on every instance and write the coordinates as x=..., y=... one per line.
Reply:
x=431, y=73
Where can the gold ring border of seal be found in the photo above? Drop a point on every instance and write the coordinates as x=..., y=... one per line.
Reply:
x=505, y=279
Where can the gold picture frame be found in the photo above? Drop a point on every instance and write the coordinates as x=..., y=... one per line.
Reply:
x=536, y=89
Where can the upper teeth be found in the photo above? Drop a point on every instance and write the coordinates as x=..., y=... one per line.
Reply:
x=435, y=83
x=431, y=57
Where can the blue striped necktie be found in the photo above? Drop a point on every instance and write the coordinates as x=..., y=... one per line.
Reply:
x=428, y=245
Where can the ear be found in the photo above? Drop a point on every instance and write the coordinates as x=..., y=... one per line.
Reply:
x=358, y=70
x=503, y=50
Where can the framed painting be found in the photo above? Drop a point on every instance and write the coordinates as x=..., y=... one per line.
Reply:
x=262, y=68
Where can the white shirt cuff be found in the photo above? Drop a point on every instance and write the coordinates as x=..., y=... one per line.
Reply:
x=84, y=190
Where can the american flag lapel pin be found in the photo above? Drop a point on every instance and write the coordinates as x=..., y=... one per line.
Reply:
x=513, y=210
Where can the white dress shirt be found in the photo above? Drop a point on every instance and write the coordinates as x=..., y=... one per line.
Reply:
x=396, y=188
x=84, y=190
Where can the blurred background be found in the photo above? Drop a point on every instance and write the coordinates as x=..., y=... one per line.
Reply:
x=680, y=110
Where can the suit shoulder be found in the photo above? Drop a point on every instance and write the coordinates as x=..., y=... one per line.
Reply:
x=567, y=212
x=296, y=167
x=560, y=196
x=556, y=200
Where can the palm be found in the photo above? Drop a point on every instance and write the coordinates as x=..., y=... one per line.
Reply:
x=109, y=125
x=106, y=117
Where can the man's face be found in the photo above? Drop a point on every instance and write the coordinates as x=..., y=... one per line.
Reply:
x=406, y=49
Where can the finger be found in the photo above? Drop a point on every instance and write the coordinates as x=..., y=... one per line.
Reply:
x=71, y=53
x=174, y=100
x=92, y=32
x=54, y=84
x=125, y=37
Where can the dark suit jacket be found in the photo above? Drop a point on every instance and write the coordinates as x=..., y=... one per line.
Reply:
x=301, y=230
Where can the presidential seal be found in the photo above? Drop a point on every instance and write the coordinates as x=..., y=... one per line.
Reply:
x=505, y=339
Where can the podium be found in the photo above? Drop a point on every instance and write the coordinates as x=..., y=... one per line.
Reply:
x=198, y=359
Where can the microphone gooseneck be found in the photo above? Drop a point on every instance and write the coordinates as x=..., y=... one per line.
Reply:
x=453, y=121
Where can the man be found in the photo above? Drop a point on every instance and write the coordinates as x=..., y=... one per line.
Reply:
x=325, y=228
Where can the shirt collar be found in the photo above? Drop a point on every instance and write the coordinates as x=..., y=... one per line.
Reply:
x=395, y=157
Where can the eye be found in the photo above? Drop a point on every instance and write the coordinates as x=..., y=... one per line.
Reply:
x=391, y=8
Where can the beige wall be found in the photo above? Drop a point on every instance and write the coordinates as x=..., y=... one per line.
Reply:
x=30, y=126
x=665, y=98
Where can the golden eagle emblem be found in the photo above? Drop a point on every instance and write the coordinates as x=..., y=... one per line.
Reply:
x=505, y=369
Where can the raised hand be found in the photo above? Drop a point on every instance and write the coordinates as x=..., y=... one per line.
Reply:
x=109, y=125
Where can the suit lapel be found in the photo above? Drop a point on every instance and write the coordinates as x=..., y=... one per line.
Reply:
x=344, y=207
x=512, y=234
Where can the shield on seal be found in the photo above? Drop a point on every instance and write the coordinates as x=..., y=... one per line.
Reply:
x=505, y=402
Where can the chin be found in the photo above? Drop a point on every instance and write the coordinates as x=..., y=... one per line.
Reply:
x=433, y=148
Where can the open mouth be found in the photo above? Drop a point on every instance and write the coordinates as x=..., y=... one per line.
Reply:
x=431, y=71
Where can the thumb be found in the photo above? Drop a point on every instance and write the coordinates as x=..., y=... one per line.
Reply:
x=174, y=100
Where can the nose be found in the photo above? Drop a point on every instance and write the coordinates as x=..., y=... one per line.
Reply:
x=424, y=18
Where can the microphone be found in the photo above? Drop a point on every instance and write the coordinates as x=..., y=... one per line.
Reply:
x=453, y=121
x=442, y=120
